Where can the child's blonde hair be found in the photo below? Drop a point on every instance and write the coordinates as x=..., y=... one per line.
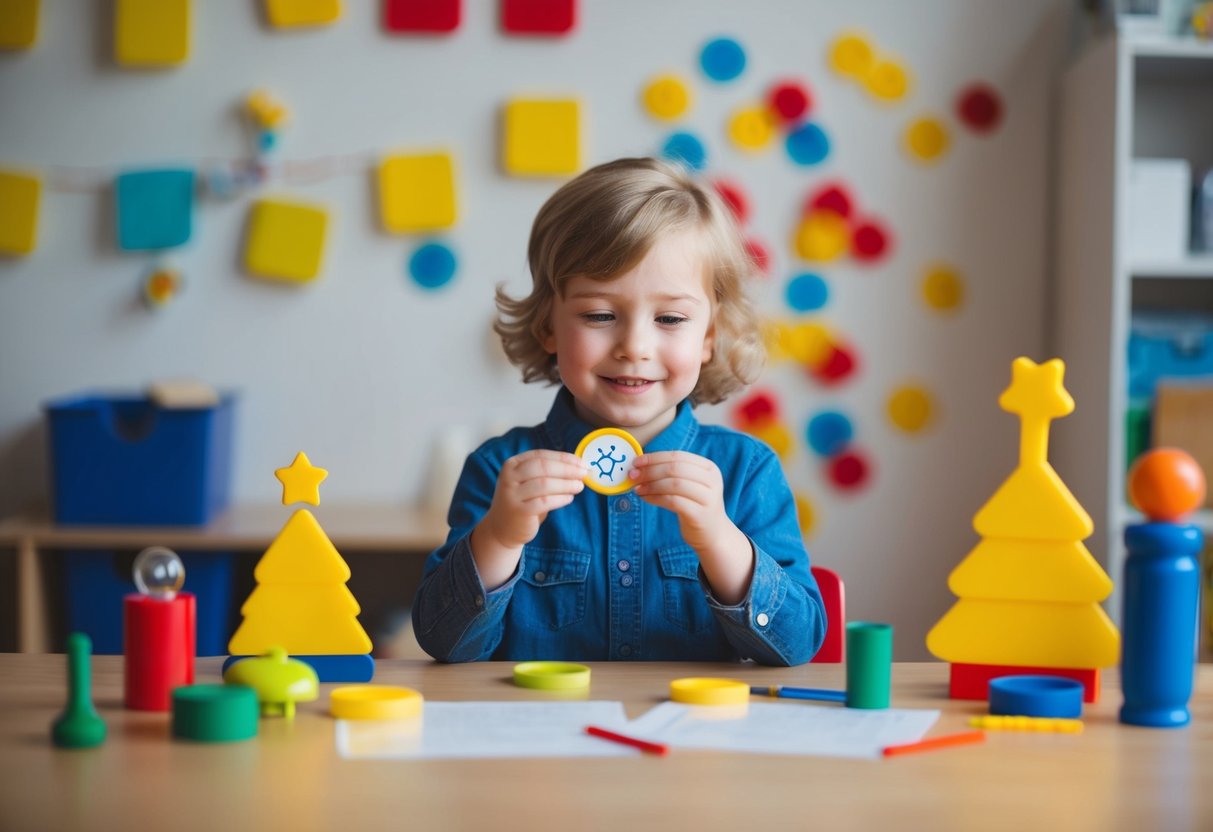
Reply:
x=604, y=222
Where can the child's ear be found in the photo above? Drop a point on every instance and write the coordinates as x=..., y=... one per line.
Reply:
x=549, y=341
x=709, y=343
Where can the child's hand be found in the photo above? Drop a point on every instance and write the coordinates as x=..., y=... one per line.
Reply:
x=528, y=487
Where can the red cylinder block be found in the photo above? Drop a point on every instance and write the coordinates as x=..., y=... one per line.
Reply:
x=158, y=640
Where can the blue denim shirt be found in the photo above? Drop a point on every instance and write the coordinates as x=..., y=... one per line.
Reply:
x=611, y=577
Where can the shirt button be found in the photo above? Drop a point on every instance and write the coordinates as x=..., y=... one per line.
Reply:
x=479, y=601
x=626, y=580
x=625, y=650
x=540, y=577
x=762, y=619
x=624, y=565
x=623, y=504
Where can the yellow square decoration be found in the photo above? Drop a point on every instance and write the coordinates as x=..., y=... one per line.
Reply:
x=19, y=193
x=285, y=240
x=542, y=138
x=417, y=193
x=18, y=23
x=151, y=32
x=302, y=12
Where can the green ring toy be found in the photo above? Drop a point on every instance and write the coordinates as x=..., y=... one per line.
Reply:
x=551, y=675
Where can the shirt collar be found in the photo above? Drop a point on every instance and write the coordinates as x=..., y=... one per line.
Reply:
x=566, y=430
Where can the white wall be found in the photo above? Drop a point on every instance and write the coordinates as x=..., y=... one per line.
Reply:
x=365, y=371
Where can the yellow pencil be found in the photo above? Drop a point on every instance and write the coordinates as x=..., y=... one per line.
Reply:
x=1027, y=723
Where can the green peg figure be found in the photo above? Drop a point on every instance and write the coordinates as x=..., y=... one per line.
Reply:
x=78, y=726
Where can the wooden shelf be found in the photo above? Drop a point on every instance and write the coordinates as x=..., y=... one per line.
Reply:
x=1196, y=266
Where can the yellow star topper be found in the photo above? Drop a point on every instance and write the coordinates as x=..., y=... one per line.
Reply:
x=301, y=481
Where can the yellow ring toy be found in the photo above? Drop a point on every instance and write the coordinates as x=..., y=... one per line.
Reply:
x=706, y=690
x=619, y=470
x=374, y=702
x=551, y=675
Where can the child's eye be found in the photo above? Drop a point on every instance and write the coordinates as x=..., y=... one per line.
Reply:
x=598, y=317
x=671, y=320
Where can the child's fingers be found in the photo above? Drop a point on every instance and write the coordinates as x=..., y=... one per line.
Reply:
x=544, y=464
x=547, y=486
x=548, y=502
x=699, y=493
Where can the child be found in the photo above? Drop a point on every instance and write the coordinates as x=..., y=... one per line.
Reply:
x=638, y=308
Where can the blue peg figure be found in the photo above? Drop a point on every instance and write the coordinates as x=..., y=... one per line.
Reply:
x=1161, y=590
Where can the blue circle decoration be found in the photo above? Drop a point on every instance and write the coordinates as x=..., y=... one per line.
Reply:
x=807, y=292
x=722, y=59
x=686, y=149
x=829, y=432
x=808, y=144
x=432, y=265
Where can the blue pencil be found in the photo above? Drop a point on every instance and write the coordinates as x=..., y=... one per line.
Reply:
x=816, y=694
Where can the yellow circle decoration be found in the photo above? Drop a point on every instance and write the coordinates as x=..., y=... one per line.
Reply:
x=806, y=515
x=775, y=434
x=809, y=344
x=374, y=702
x=599, y=448
x=887, y=80
x=667, y=97
x=927, y=139
x=707, y=690
x=551, y=675
x=822, y=236
x=943, y=289
x=851, y=55
x=911, y=408
x=752, y=128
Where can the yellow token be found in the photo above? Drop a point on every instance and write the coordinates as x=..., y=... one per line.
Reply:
x=805, y=515
x=887, y=80
x=822, y=236
x=611, y=453
x=551, y=675
x=910, y=408
x=708, y=690
x=851, y=55
x=751, y=128
x=943, y=289
x=374, y=702
x=927, y=139
x=667, y=97
x=775, y=434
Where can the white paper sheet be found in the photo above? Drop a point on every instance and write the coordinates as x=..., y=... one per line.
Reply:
x=783, y=728
x=488, y=729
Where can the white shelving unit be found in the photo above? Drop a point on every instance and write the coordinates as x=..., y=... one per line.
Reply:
x=1122, y=98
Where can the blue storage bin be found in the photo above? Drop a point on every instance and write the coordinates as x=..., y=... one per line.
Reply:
x=1163, y=345
x=96, y=582
x=125, y=460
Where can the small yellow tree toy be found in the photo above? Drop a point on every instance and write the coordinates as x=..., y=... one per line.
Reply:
x=1030, y=590
x=301, y=603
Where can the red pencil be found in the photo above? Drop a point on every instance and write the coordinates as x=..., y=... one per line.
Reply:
x=644, y=745
x=946, y=741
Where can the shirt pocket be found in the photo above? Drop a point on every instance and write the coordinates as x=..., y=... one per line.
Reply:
x=685, y=605
x=553, y=588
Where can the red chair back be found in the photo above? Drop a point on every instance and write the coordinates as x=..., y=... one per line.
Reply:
x=833, y=649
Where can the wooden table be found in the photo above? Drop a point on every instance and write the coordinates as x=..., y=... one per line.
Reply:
x=392, y=529
x=1110, y=777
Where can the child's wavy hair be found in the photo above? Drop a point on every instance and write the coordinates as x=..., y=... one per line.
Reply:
x=600, y=225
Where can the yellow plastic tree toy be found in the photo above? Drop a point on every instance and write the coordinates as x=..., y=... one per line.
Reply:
x=1030, y=590
x=301, y=603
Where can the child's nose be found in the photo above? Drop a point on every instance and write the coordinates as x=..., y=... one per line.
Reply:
x=635, y=343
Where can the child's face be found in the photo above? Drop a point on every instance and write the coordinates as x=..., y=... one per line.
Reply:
x=631, y=348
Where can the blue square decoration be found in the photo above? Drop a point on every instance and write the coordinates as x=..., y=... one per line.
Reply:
x=155, y=208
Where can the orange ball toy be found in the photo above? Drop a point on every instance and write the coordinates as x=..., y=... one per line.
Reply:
x=1165, y=484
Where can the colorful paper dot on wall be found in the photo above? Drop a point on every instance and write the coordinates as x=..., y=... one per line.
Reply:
x=285, y=239
x=806, y=515
x=759, y=406
x=155, y=208
x=830, y=197
x=291, y=13
x=422, y=16
x=829, y=432
x=20, y=194
x=775, y=434
x=943, y=288
x=760, y=255
x=790, y=101
x=722, y=59
x=911, y=408
x=807, y=343
x=807, y=292
x=849, y=470
x=839, y=364
x=161, y=285
x=751, y=128
x=667, y=97
x=432, y=265
x=807, y=144
x=18, y=24
x=926, y=139
x=538, y=17
x=822, y=236
x=870, y=241
x=542, y=137
x=417, y=192
x=887, y=80
x=851, y=54
x=685, y=149
x=734, y=196
x=979, y=107
x=151, y=32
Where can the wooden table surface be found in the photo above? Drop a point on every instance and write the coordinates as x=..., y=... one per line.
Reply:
x=1111, y=777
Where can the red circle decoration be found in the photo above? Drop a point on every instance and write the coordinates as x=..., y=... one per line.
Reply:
x=839, y=365
x=832, y=197
x=760, y=254
x=760, y=406
x=849, y=470
x=735, y=197
x=869, y=241
x=790, y=101
x=979, y=107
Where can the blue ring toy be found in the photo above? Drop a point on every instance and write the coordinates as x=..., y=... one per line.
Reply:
x=1047, y=696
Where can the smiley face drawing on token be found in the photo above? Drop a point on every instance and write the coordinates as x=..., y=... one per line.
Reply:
x=611, y=453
